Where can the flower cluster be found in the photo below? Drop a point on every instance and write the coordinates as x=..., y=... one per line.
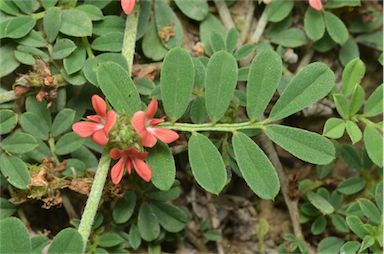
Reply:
x=107, y=125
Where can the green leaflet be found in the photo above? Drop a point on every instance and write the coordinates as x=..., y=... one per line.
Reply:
x=165, y=18
x=52, y=23
x=14, y=237
x=335, y=28
x=176, y=82
x=170, y=217
x=62, y=48
x=334, y=128
x=75, y=62
x=63, y=121
x=279, y=9
x=255, y=167
x=207, y=165
x=161, y=161
x=15, y=171
x=314, y=24
x=111, y=42
x=197, y=9
x=220, y=84
x=374, y=104
x=305, y=145
x=207, y=27
x=68, y=143
x=148, y=223
x=320, y=203
x=19, y=143
x=17, y=27
x=118, y=87
x=8, y=62
x=373, y=143
x=263, y=79
x=124, y=207
x=353, y=73
x=75, y=23
x=8, y=121
x=151, y=44
x=66, y=241
x=310, y=85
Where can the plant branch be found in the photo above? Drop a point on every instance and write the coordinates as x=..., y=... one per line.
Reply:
x=224, y=13
x=260, y=28
x=222, y=127
x=7, y=96
x=129, y=41
x=248, y=22
x=94, y=198
x=88, y=47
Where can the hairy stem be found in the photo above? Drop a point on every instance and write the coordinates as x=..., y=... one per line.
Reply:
x=260, y=28
x=94, y=198
x=224, y=13
x=129, y=42
x=222, y=127
x=87, y=46
x=7, y=96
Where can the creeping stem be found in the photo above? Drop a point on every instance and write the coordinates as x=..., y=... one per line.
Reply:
x=94, y=198
x=223, y=127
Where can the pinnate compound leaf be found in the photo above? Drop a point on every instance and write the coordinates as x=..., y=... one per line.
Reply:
x=353, y=73
x=305, y=145
x=66, y=241
x=161, y=161
x=373, y=141
x=255, y=167
x=220, y=84
x=176, y=82
x=14, y=170
x=118, y=87
x=14, y=237
x=263, y=79
x=310, y=85
x=207, y=165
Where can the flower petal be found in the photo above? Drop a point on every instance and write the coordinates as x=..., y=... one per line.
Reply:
x=142, y=169
x=100, y=137
x=165, y=135
x=117, y=171
x=134, y=154
x=138, y=122
x=152, y=108
x=116, y=153
x=156, y=121
x=128, y=166
x=110, y=121
x=85, y=129
x=95, y=118
x=316, y=4
x=148, y=140
x=99, y=105
x=127, y=6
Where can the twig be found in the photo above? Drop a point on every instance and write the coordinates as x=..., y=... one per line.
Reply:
x=305, y=60
x=94, y=198
x=260, y=28
x=68, y=207
x=224, y=14
x=248, y=22
x=7, y=96
x=129, y=41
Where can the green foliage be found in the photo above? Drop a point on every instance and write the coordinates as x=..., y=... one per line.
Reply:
x=207, y=165
x=177, y=74
x=14, y=236
x=66, y=241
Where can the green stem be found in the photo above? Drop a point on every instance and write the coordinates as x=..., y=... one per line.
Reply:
x=223, y=127
x=87, y=46
x=260, y=27
x=94, y=198
x=224, y=13
x=51, y=143
x=38, y=15
x=129, y=41
x=7, y=96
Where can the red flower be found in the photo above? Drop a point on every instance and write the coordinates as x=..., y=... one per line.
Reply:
x=99, y=125
x=127, y=6
x=316, y=4
x=143, y=123
x=127, y=158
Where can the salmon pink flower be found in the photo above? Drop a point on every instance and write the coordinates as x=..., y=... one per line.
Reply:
x=127, y=6
x=144, y=124
x=98, y=125
x=316, y=4
x=127, y=158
